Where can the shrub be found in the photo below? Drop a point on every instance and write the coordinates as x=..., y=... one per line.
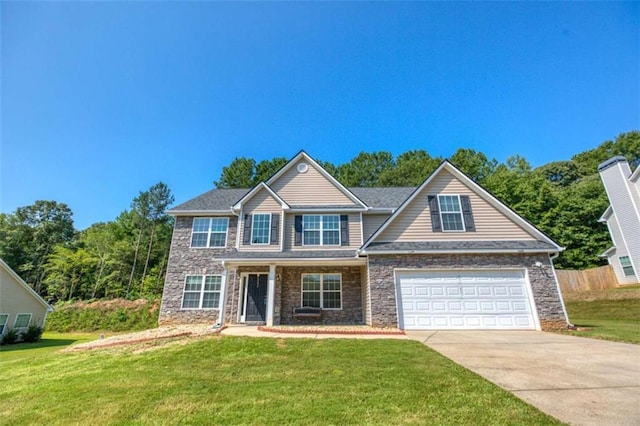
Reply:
x=10, y=336
x=32, y=334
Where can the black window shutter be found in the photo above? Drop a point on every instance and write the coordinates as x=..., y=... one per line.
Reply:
x=298, y=229
x=275, y=228
x=344, y=229
x=246, y=239
x=467, y=214
x=436, y=226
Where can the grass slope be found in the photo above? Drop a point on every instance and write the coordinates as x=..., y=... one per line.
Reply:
x=232, y=380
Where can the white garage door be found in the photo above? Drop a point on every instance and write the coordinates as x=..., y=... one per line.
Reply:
x=465, y=300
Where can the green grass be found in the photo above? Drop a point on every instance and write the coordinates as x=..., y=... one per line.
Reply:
x=610, y=319
x=235, y=380
x=111, y=315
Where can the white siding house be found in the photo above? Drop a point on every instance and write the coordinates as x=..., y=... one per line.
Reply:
x=622, y=218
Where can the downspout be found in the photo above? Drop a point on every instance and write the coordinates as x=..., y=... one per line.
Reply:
x=223, y=297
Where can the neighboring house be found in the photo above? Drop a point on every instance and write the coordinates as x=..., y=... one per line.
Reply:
x=20, y=306
x=444, y=255
x=622, y=218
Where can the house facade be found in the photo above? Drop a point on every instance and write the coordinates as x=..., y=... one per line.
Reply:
x=20, y=305
x=622, y=218
x=301, y=248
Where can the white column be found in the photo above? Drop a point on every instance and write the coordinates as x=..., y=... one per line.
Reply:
x=271, y=292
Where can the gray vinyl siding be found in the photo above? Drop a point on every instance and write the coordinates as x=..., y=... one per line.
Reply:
x=625, y=229
x=261, y=202
x=414, y=223
x=310, y=188
x=355, y=241
x=621, y=251
x=371, y=223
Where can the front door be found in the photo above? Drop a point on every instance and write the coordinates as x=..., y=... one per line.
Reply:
x=256, y=297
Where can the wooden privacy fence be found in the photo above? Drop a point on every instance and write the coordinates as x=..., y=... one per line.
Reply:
x=599, y=278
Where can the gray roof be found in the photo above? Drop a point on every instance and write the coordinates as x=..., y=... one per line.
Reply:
x=224, y=199
x=299, y=254
x=462, y=246
x=383, y=197
x=213, y=200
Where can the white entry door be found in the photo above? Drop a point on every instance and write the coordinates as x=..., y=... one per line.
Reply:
x=464, y=300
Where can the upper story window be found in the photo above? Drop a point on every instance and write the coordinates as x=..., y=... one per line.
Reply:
x=321, y=230
x=627, y=267
x=209, y=232
x=261, y=229
x=451, y=213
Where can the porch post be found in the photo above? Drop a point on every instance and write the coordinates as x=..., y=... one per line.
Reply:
x=271, y=290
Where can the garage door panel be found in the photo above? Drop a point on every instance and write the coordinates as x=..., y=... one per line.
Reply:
x=464, y=300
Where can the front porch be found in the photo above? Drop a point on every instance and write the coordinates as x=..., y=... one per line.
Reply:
x=269, y=294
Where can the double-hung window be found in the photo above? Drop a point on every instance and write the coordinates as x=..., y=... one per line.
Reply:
x=322, y=291
x=451, y=213
x=261, y=229
x=627, y=267
x=22, y=321
x=3, y=322
x=209, y=232
x=201, y=292
x=321, y=230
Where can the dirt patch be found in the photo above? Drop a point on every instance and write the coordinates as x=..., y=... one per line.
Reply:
x=609, y=294
x=114, y=304
x=142, y=341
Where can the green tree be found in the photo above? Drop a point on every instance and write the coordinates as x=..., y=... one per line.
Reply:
x=239, y=174
x=473, y=163
x=411, y=169
x=267, y=168
x=365, y=169
x=159, y=198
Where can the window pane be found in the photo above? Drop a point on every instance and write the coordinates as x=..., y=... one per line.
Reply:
x=22, y=320
x=218, y=240
x=331, y=222
x=191, y=300
x=449, y=203
x=311, y=238
x=193, y=283
x=311, y=299
x=331, y=238
x=212, y=283
x=211, y=300
x=3, y=319
x=311, y=222
x=625, y=261
x=331, y=300
x=331, y=282
x=198, y=240
x=260, y=230
x=219, y=224
x=452, y=222
x=311, y=282
x=201, y=224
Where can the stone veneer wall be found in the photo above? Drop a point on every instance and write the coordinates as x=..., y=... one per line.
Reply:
x=383, y=294
x=183, y=261
x=352, y=283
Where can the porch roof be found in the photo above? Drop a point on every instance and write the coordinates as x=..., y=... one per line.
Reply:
x=292, y=256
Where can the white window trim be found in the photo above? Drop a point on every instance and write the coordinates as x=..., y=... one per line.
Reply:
x=202, y=292
x=321, y=230
x=16, y=321
x=302, y=291
x=253, y=228
x=6, y=322
x=629, y=265
x=464, y=228
x=209, y=233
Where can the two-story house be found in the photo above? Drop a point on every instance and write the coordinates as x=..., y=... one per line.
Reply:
x=622, y=218
x=301, y=248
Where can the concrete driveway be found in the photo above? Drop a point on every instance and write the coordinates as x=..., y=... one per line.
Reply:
x=577, y=380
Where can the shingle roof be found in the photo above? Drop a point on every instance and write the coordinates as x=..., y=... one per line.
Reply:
x=213, y=200
x=435, y=246
x=224, y=199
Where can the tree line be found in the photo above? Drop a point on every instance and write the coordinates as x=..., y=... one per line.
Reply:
x=127, y=257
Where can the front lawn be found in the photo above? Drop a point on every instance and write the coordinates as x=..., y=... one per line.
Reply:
x=610, y=319
x=234, y=380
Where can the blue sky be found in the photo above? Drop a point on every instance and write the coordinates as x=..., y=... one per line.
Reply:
x=102, y=100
